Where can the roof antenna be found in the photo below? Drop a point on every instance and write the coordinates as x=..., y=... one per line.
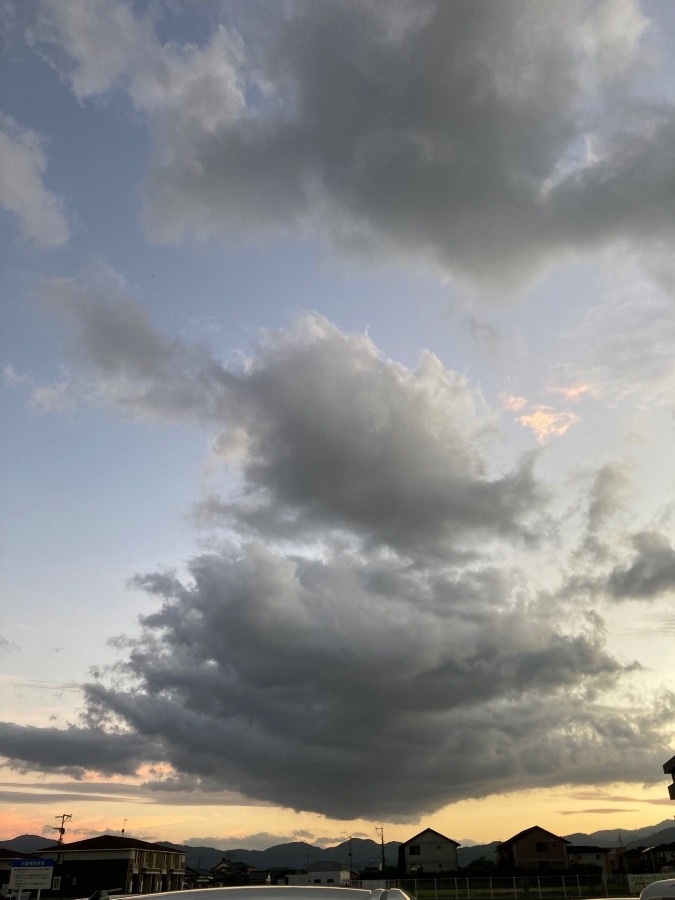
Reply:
x=65, y=817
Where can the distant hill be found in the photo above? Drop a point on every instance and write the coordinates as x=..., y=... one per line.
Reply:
x=295, y=855
x=365, y=852
x=663, y=833
x=466, y=855
x=27, y=843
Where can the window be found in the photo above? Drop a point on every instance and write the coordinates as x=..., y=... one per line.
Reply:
x=542, y=847
x=330, y=880
x=414, y=850
x=56, y=883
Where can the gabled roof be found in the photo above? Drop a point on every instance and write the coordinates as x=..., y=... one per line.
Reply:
x=669, y=766
x=521, y=834
x=109, y=842
x=429, y=831
x=13, y=854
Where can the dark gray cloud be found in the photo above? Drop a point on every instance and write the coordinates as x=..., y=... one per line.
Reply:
x=393, y=639
x=452, y=135
x=651, y=571
x=305, y=683
x=74, y=750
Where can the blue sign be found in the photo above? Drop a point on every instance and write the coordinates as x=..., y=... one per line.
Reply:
x=31, y=863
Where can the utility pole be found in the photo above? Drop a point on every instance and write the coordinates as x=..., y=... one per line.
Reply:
x=64, y=817
x=351, y=865
x=381, y=830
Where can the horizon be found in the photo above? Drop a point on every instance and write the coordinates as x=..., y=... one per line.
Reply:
x=466, y=843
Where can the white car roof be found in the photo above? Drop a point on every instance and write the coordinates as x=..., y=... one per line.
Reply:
x=664, y=888
x=281, y=892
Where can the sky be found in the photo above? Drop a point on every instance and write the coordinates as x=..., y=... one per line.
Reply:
x=338, y=379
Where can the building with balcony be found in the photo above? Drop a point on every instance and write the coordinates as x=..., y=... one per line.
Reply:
x=113, y=863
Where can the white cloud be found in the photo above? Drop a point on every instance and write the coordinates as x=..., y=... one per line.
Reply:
x=23, y=162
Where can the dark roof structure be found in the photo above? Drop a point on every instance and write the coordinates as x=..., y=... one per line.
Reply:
x=13, y=854
x=109, y=842
x=521, y=834
x=429, y=831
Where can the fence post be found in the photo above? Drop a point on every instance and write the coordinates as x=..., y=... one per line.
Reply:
x=564, y=886
x=515, y=889
x=491, y=894
x=539, y=886
x=456, y=890
x=578, y=887
x=468, y=890
x=436, y=888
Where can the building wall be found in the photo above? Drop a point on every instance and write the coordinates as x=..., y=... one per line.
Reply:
x=430, y=853
x=130, y=871
x=539, y=850
x=338, y=877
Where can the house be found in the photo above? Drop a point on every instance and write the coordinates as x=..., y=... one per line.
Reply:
x=533, y=849
x=429, y=851
x=669, y=769
x=195, y=877
x=590, y=856
x=324, y=872
x=230, y=873
x=661, y=857
x=113, y=863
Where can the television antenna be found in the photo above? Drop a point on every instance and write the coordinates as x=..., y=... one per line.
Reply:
x=64, y=817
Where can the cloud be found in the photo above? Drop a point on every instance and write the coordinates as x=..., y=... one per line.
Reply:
x=606, y=506
x=624, y=341
x=368, y=618
x=599, y=810
x=324, y=431
x=126, y=364
x=575, y=391
x=327, y=685
x=650, y=573
x=514, y=402
x=38, y=211
x=448, y=135
x=547, y=422
x=75, y=749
